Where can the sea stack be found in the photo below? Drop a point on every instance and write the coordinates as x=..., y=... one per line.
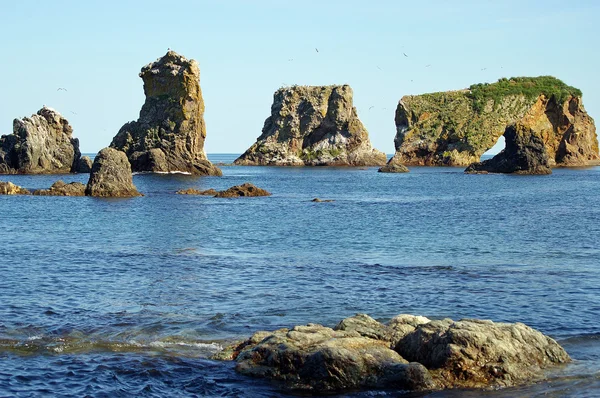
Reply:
x=40, y=144
x=111, y=176
x=313, y=126
x=170, y=132
x=455, y=128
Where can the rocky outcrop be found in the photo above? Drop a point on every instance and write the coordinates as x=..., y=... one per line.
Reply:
x=111, y=175
x=170, y=132
x=409, y=353
x=60, y=188
x=42, y=143
x=84, y=165
x=8, y=188
x=313, y=126
x=245, y=189
x=455, y=128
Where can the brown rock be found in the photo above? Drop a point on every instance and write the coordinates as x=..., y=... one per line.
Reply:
x=192, y=191
x=8, y=188
x=111, y=175
x=169, y=135
x=393, y=167
x=84, y=165
x=59, y=188
x=245, y=189
x=313, y=126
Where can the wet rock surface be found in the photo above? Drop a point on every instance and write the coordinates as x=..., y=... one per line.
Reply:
x=60, y=188
x=8, y=188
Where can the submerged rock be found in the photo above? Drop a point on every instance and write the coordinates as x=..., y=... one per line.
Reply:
x=245, y=189
x=192, y=191
x=60, y=188
x=42, y=143
x=364, y=353
x=317, y=200
x=170, y=132
x=8, y=188
x=393, y=168
x=84, y=165
x=111, y=175
x=481, y=354
x=455, y=128
x=313, y=126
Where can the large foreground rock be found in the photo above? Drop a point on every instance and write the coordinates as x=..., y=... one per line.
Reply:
x=455, y=128
x=60, y=188
x=111, y=175
x=317, y=358
x=8, y=188
x=313, y=126
x=42, y=143
x=481, y=354
x=170, y=132
x=361, y=352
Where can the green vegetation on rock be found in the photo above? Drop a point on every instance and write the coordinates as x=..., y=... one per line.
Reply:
x=529, y=87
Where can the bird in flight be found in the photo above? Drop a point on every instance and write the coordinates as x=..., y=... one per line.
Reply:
x=73, y=113
x=378, y=67
x=371, y=107
x=291, y=59
x=316, y=49
x=405, y=55
x=427, y=66
x=60, y=88
x=483, y=68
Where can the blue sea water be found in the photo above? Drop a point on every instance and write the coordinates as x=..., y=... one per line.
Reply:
x=129, y=297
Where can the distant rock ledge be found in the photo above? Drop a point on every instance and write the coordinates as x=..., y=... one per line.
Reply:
x=409, y=353
x=313, y=126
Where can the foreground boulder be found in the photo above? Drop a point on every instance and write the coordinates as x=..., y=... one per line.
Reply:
x=170, y=132
x=8, y=188
x=455, y=128
x=313, y=126
x=60, y=188
x=320, y=359
x=42, y=143
x=481, y=354
x=245, y=189
x=409, y=353
x=111, y=175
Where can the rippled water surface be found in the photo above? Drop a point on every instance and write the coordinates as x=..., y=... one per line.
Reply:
x=131, y=296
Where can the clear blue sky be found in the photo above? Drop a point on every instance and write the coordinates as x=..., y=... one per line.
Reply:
x=95, y=50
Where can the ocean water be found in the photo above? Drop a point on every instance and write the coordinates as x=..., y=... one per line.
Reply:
x=129, y=297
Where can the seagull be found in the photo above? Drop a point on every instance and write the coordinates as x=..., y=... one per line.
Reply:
x=483, y=68
x=60, y=88
x=427, y=66
x=316, y=49
x=371, y=107
x=291, y=59
x=378, y=67
x=73, y=113
x=405, y=55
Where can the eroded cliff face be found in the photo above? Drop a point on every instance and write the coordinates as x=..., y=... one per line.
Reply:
x=170, y=132
x=40, y=144
x=455, y=128
x=313, y=126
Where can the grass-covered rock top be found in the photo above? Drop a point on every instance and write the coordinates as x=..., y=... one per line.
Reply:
x=529, y=87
